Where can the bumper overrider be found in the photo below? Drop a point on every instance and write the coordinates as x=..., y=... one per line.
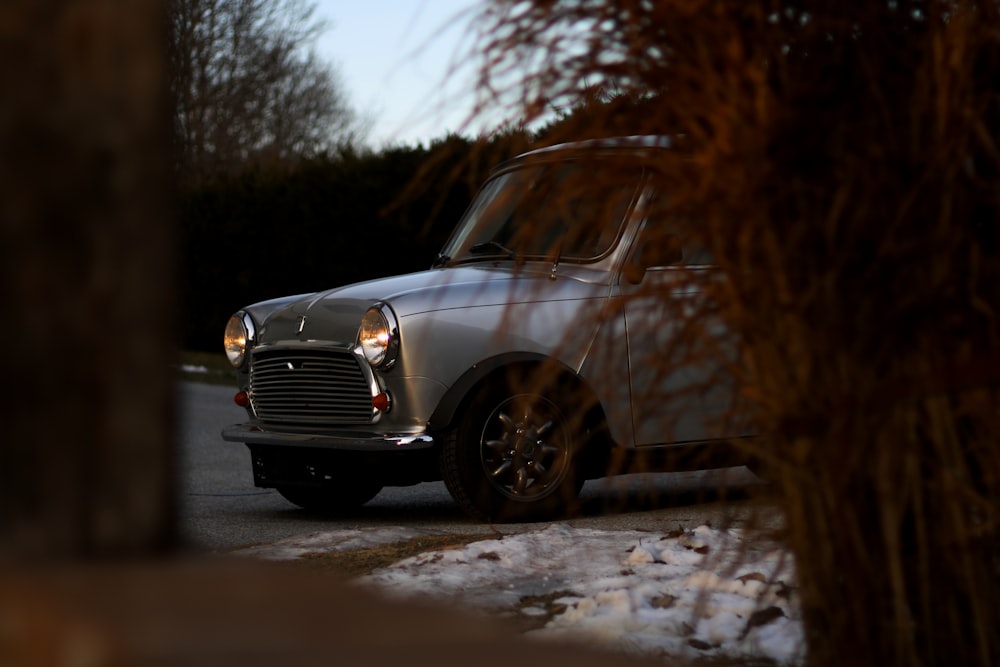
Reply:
x=254, y=434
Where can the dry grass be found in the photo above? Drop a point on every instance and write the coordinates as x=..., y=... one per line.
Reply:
x=841, y=163
x=357, y=562
x=207, y=367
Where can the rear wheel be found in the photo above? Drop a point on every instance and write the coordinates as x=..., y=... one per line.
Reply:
x=512, y=457
x=331, y=499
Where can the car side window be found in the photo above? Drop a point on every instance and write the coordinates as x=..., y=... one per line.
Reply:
x=696, y=255
x=660, y=247
x=664, y=241
x=659, y=250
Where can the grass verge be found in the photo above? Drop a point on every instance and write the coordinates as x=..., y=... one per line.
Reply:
x=207, y=367
x=355, y=563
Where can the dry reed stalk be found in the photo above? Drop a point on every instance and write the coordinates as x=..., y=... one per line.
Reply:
x=842, y=161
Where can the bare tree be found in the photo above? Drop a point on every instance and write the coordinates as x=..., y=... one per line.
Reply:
x=247, y=85
x=842, y=165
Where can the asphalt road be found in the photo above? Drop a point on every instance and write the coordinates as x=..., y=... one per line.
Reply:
x=220, y=509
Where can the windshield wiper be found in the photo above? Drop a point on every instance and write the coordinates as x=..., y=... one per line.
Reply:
x=491, y=247
x=441, y=260
x=555, y=262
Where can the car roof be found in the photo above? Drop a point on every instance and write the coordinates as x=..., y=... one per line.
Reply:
x=637, y=144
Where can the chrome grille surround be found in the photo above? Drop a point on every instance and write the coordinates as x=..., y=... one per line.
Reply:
x=311, y=386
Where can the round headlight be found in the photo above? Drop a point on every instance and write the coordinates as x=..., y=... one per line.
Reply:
x=379, y=337
x=238, y=337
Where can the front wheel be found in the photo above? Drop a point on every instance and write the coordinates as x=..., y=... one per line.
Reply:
x=512, y=458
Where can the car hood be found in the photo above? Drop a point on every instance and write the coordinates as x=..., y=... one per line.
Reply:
x=335, y=315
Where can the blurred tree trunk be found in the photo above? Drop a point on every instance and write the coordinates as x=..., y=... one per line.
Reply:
x=86, y=280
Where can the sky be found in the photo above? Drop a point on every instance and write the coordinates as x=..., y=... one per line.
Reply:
x=705, y=593
x=404, y=64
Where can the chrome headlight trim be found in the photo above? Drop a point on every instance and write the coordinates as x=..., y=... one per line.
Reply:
x=378, y=336
x=239, y=337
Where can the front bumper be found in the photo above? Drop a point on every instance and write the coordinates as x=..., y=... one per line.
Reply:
x=253, y=434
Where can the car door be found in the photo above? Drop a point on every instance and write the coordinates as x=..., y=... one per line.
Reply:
x=676, y=345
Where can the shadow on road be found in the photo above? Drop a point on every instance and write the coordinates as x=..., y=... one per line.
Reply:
x=629, y=494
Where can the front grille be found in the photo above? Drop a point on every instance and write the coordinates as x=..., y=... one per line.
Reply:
x=309, y=387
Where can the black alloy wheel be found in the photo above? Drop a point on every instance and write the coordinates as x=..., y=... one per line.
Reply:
x=512, y=458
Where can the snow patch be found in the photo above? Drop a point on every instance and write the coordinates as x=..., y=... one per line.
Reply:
x=704, y=593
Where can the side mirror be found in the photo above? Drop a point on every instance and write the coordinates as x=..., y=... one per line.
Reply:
x=633, y=271
x=665, y=250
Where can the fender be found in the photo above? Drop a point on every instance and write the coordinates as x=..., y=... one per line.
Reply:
x=444, y=413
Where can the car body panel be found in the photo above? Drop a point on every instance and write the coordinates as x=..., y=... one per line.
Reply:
x=459, y=324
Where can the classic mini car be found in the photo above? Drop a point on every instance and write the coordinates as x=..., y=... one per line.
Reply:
x=550, y=342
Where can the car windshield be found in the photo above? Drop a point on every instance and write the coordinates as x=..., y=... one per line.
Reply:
x=562, y=211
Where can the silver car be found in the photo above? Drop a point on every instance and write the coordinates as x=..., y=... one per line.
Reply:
x=559, y=336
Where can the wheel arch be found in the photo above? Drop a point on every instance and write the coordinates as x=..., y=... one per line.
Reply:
x=598, y=445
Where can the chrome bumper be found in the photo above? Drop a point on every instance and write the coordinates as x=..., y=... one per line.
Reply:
x=252, y=434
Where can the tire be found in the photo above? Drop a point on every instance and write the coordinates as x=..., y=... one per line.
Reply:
x=512, y=457
x=331, y=499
